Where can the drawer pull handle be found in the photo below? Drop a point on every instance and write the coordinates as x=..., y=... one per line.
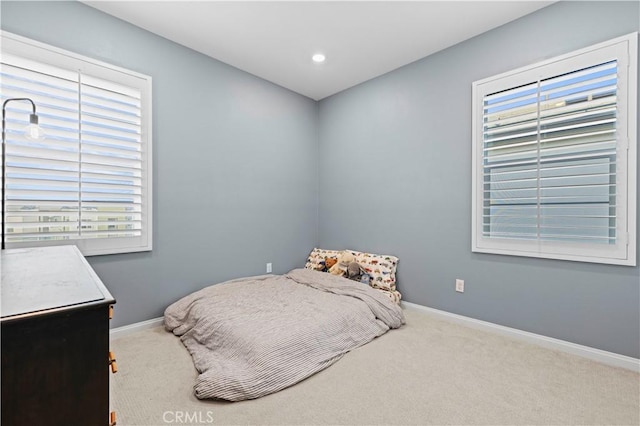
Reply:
x=112, y=363
x=110, y=311
x=112, y=418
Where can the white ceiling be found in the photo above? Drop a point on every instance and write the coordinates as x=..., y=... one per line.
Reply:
x=275, y=40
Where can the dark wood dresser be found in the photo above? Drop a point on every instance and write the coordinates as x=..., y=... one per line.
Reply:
x=55, y=339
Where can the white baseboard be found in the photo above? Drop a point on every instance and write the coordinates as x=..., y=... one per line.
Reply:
x=604, y=357
x=609, y=358
x=118, y=332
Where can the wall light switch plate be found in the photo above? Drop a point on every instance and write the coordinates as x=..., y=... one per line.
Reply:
x=269, y=268
x=460, y=286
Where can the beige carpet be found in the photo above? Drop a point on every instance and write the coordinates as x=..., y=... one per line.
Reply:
x=428, y=372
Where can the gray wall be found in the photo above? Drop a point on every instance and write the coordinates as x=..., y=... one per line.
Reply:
x=395, y=178
x=235, y=168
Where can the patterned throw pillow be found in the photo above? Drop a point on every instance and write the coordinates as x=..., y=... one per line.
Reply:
x=381, y=267
x=317, y=255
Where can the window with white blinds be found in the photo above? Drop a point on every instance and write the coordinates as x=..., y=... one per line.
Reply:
x=88, y=181
x=555, y=157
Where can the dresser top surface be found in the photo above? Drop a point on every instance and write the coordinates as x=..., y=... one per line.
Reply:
x=39, y=280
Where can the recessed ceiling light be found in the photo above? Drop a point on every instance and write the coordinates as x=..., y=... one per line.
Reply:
x=318, y=58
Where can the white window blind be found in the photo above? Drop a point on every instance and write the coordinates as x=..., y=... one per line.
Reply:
x=87, y=182
x=552, y=171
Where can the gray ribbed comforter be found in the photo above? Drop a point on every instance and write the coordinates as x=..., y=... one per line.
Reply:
x=254, y=336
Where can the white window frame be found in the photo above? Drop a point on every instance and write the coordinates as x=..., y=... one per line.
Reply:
x=44, y=53
x=625, y=50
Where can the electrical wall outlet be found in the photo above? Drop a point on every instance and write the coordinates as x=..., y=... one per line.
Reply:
x=460, y=286
x=269, y=268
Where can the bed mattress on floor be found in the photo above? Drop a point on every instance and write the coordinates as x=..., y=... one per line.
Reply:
x=254, y=336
